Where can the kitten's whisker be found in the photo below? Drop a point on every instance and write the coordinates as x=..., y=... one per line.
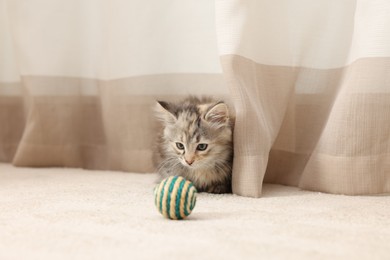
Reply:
x=166, y=162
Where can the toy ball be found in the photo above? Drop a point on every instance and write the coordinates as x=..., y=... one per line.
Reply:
x=175, y=197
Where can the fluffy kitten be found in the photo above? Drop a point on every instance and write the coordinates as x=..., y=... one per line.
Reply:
x=196, y=143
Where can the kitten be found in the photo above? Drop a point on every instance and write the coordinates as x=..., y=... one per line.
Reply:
x=196, y=143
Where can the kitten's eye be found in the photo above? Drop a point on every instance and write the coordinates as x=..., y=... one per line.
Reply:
x=180, y=146
x=201, y=147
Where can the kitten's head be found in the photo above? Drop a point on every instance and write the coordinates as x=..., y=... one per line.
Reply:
x=196, y=133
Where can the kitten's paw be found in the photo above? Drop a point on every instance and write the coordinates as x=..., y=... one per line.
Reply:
x=219, y=189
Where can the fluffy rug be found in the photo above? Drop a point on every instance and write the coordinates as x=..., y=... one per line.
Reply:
x=57, y=213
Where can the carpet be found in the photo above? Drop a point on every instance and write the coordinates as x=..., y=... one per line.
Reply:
x=60, y=213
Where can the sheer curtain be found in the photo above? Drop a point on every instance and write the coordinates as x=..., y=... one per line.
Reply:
x=309, y=80
x=78, y=79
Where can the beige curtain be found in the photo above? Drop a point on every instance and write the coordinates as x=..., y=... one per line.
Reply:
x=78, y=79
x=309, y=80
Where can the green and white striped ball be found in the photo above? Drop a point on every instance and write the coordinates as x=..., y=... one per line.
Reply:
x=175, y=197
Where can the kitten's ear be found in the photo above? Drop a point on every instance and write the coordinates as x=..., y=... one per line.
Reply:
x=164, y=112
x=218, y=114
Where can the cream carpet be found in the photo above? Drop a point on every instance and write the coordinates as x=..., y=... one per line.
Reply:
x=58, y=213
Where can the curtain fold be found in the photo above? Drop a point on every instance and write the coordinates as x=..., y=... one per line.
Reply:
x=309, y=81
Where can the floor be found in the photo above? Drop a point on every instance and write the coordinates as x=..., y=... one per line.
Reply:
x=59, y=213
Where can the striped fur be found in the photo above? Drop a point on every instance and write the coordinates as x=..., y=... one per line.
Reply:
x=192, y=122
x=175, y=197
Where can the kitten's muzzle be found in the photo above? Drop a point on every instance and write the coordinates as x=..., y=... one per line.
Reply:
x=189, y=161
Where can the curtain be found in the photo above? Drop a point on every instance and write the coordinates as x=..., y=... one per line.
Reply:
x=309, y=81
x=78, y=79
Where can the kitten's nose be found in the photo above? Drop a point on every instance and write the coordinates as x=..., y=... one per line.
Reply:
x=189, y=161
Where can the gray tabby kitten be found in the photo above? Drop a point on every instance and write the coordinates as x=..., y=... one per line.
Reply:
x=196, y=143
